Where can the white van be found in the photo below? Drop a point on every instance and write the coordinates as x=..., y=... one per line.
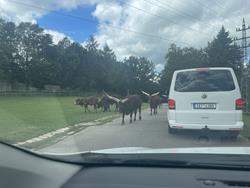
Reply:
x=205, y=98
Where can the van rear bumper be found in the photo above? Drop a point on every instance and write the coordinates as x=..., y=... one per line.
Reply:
x=232, y=127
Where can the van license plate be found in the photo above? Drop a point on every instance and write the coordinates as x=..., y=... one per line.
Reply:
x=204, y=105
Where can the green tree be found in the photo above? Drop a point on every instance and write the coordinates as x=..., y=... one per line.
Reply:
x=223, y=53
x=70, y=59
x=139, y=74
x=110, y=69
x=8, y=65
x=28, y=55
x=31, y=43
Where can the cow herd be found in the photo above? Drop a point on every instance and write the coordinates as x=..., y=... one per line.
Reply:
x=132, y=104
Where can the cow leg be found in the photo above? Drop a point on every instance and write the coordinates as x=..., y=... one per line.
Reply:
x=131, y=115
x=139, y=113
x=86, y=107
x=123, y=114
x=135, y=115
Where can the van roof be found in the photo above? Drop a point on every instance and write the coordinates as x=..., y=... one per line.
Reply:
x=205, y=68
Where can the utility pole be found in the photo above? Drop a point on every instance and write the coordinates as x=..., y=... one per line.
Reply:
x=245, y=72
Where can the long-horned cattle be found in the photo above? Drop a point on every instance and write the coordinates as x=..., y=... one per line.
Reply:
x=88, y=101
x=128, y=106
x=154, y=101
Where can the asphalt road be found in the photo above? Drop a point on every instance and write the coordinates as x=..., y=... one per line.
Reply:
x=151, y=131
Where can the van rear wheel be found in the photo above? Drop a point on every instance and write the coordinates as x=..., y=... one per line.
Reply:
x=233, y=135
x=230, y=135
x=171, y=130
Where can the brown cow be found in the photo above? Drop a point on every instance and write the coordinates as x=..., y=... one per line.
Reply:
x=128, y=106
x=85, y=102
x=154, y=101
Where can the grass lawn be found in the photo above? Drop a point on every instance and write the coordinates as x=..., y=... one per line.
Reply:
x=246, y=131
x=22, y=118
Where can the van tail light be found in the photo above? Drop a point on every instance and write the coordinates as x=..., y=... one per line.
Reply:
x=239, y=103
x=171, y=104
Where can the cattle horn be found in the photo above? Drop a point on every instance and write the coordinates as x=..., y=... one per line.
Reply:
x=145, y=93
x=113, y=98
x=154, y=94
x=124, y=100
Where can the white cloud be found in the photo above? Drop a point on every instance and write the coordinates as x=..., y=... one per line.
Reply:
x=56, y=36
x=30, y=10
x=114, y=12
x=14, y=12
x=184, y=22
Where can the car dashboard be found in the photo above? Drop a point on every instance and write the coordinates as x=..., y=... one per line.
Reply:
x=23, y=169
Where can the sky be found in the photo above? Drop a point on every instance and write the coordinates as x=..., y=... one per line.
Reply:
x=132, y=27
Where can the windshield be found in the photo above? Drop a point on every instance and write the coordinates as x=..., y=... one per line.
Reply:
x=79, y=76
x=200, y=81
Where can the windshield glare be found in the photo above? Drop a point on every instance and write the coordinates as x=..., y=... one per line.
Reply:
x=137, y=75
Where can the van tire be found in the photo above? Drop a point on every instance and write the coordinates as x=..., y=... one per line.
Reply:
x=171, y=130
x=233, y=135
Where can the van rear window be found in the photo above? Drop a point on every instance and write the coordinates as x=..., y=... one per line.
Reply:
x=205, y=80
